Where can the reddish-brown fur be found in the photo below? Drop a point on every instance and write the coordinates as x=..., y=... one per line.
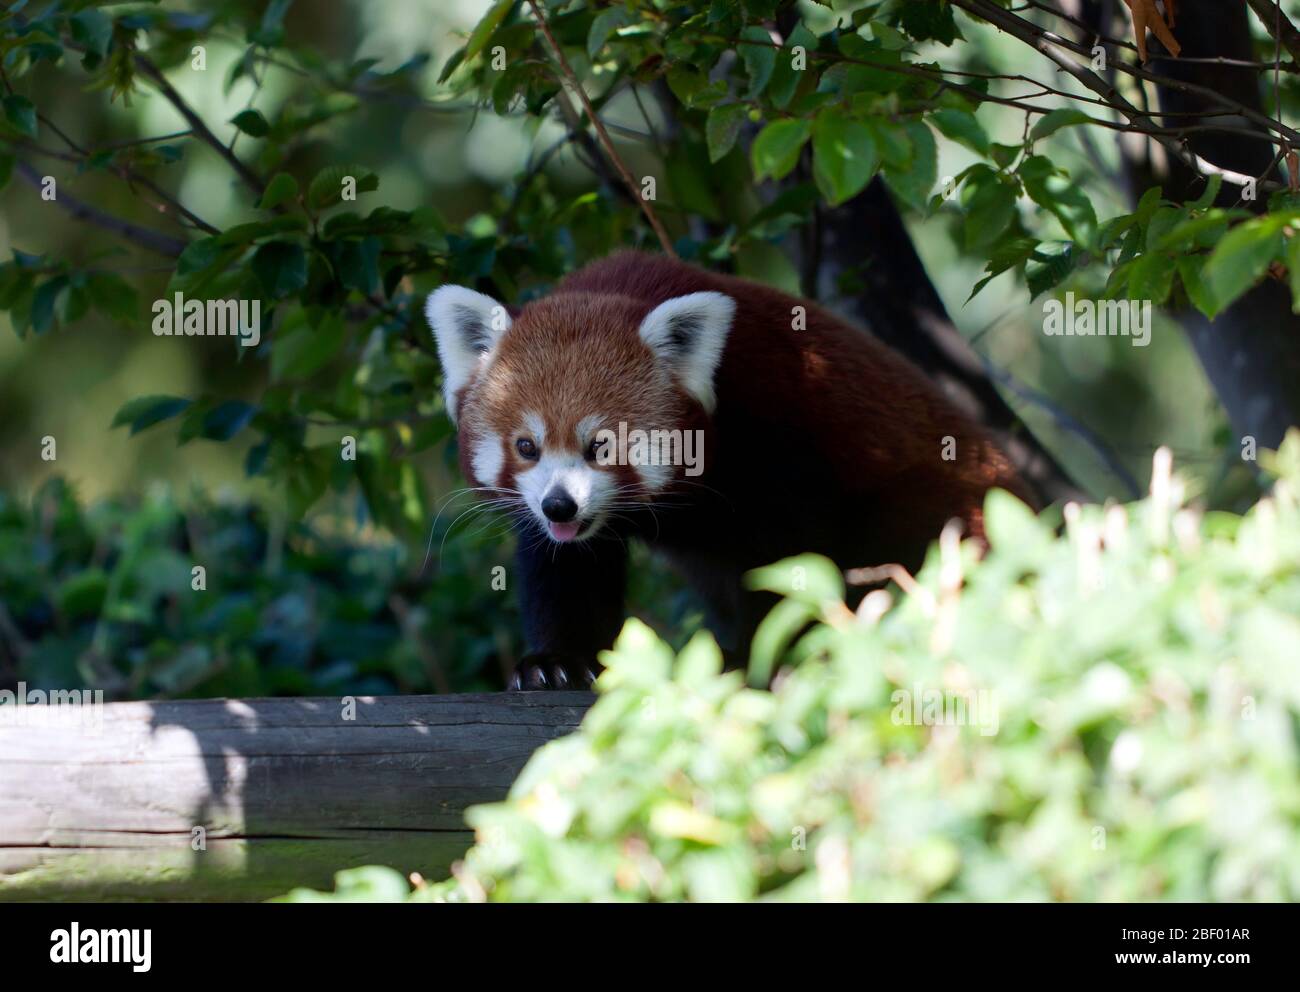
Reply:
x=569, y=355
x=823, y=439
x=875, y=420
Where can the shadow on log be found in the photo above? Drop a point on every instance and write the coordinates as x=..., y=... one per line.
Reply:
x=246, y=799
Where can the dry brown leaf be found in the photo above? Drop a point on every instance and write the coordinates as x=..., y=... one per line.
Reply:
x=1145, y=15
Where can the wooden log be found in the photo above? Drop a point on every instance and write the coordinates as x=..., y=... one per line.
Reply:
x=246, y=799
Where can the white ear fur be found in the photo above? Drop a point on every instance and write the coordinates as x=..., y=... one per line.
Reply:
x=466, y=326
x=688, y=333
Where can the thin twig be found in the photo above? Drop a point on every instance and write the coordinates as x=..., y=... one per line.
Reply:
x=145, y=237
x=1278, y=25
x=664, y=241
x=1049, y=44
x=200, y=129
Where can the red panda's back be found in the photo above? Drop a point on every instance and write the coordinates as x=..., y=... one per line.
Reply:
x=871, y=414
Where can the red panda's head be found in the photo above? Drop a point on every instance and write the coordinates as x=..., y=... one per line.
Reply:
x=540, y=399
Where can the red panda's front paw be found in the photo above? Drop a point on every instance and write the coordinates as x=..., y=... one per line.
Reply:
x=553, y=671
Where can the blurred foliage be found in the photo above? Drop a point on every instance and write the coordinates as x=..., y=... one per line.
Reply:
x=105, y=597
x=1132, y=732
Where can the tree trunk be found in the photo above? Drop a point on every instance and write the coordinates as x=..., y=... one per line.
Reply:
x=899, y=304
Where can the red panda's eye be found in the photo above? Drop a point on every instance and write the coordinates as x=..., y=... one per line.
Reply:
x=526, y=448
x=594, y=449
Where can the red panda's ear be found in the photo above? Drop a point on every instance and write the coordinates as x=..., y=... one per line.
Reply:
x=688, y=334
x=466, y=326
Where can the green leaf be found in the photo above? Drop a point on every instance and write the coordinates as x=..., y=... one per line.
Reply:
x=270, y=31
x=1190, y=268
x=1005, y=255
x=1206, y=230
x=454, y=62
x=1152, y=277
x=962, y=127
x=785, y=77
x=299, y=354
x=483, y=31
x=1241, y=258
x=93, y=30
x=893, y=143
x=990, y=210
x=198, y=255
x=1045, y=271
x=1011, y=523
x=251, y=122
x=20, y=113
x=759, y=56
x=281, y=267
x=43, y=303
x=1209, y=194
x=281, y=189
x=1148, y=205
x=83, y=594
x=145, y=411
x=776, y=149
x=1055, y=120
x=774, y=633
x=113, y=295
x=603, y=25
x=1063, y=198
x=722, y=128
x=1004, y=155
x=845, y=157
x=915, y=183
x=929, y=20
x=242, y=235
x=326, y=188
x=1293, y=270
x=226, y=420
x=809, y=578
x=357, y=264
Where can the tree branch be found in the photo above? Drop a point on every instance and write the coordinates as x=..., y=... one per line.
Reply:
x=200, y=129
x=1049, y=44
x=1278, y=25
x=1046, y=41
x=664, y=241
x=145, y=237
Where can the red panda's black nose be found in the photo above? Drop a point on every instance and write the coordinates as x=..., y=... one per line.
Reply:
x=559, y=506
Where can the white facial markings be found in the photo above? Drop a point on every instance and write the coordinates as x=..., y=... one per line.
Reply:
x=486, y=459
x=654, y=477
x=585, y=432
x=535, y=428
x=590, y=488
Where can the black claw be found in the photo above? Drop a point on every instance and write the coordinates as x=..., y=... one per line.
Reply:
x=550, y=671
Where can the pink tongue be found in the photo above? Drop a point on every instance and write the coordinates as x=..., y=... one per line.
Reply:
x=564, y=532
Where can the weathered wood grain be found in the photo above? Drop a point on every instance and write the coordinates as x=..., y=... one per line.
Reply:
x=285, y=791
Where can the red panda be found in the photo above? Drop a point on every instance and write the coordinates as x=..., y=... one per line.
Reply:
x=802, y=433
